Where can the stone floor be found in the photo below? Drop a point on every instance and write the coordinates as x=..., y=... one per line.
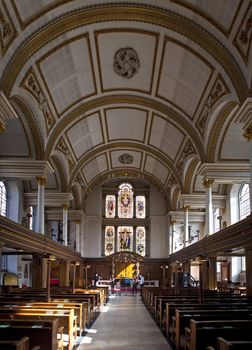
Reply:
x=124, y=324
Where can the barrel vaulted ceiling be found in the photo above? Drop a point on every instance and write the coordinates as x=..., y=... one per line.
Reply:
x=154, y=90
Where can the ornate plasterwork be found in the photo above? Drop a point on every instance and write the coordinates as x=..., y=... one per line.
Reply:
x=126, y=62
x=7, y=29
x=188, y=150
x=62, y=147
x=172, y=181
x=218, y=90
x=126, y=159
x=244, y=35
x=126, y=257
x=31, y=84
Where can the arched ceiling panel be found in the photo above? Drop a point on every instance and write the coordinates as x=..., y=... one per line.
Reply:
x=142, y=88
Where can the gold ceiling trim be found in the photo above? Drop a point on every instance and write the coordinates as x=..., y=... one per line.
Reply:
x=31, y=120
x=189, y=175
x=140, y=147
x=216, y=131
x=126, y=174
x=126, y=99
x=196, y=9
x=123, y=12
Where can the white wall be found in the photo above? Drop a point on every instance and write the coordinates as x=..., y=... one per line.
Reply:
x=159, y=230
x=91, y=246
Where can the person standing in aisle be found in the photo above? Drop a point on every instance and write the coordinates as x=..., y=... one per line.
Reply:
x=141, y=283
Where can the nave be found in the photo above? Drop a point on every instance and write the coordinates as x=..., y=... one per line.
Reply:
x=124, y=324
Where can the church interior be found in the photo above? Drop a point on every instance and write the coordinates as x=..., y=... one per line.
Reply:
x=125, y=150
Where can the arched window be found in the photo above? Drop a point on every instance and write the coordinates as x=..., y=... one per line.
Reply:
x=244, y=201
x=125, y=220
x=125, y=201
x=3, y=199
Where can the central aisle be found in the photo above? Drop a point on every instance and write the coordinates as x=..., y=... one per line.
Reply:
x=124, y=324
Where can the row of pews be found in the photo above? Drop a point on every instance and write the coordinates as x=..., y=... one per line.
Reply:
x=29, y=322
x=201, y=320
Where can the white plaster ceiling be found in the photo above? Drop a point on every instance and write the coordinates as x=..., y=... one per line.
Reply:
x=173, y=114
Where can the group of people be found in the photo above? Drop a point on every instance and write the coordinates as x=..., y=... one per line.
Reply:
x=136, y=281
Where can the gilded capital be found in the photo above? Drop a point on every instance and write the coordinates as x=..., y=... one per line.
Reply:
x=42, y=180
x=2, y=126
x=173, y=222
x=248, y=133
x=186, y=207
x=65, y=206
x=207, y=183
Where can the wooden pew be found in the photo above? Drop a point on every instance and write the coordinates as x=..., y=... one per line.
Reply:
x=223, y=344
x=42, y=333
x=182, y=318
x=79, y=308
x=172, y=307
x=67, y=319
x=21, y=344
x=202, y=334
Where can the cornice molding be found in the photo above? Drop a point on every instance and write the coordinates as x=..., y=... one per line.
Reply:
x=198, y=201
x=51, y=199
x=24, y=169
x=226, y=173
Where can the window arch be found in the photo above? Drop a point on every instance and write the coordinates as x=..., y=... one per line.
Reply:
x=244, y=201
x=3, y=199
x=125, y=222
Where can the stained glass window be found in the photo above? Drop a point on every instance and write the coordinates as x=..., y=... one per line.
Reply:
x=125, y=238
x=140, y=207
x=3, y=199
x=110, y=206
x=244, y=201
x=109, y=240
x=140, y=240
x=125, y=201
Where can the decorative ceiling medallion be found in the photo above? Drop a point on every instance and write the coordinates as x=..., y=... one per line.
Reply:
x=126, y=159
x=126, y=62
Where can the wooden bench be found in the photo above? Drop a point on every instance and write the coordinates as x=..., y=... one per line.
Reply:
x=223, y=344
x=67, y=319
x=42, y=333
x=202, y=334
x=182, y=318
x=20, y=344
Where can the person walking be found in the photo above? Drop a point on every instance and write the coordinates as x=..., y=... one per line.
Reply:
x=134, y=286
x=141, y=283
x=112, y=284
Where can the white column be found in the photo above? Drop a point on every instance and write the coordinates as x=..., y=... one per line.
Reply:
x=207, y=183
x=172, y=235
x=40, y=219
x=65, y=214
x=77, y=234
x=186, y=222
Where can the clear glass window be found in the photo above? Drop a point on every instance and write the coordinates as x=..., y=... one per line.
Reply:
x=244, y=201
x=3, y=199
x=217, y=220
